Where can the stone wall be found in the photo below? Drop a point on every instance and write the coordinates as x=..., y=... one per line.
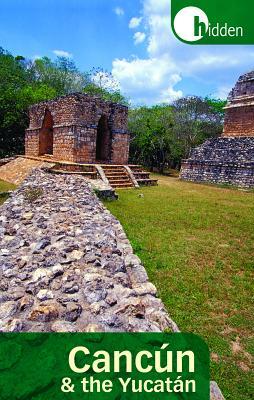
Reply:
x=222, y=160
x=67, y=265
x=239, y=110
x=75, y=128
x=239, y=120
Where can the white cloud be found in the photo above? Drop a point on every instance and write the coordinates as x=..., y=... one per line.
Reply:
x=222, y=92
x=210, y=68
x=160, y=7
x=62, y=53
x=119, y=11
x=139, y=37
x=135, y=22
x=147, y=81
x=104, y=80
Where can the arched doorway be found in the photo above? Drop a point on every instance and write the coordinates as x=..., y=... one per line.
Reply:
x=46, y=134
x=103, y=140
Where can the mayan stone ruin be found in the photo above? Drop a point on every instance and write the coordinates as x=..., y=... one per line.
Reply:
x=86, y=135
x=79, y=128
x=228, y=159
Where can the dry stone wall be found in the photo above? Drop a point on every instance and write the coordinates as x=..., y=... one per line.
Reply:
x=67, y=265
x=222, y=160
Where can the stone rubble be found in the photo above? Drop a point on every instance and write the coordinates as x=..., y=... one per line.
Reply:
x=67, y=265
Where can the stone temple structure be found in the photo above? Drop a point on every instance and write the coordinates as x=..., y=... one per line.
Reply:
x=228, y=159
x=79, y=128
x=85, y=135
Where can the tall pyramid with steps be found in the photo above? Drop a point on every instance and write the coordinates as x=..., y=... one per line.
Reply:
x=228, y=159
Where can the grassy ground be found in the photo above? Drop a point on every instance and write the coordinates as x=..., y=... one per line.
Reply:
x=5, y=187
x=197, y=244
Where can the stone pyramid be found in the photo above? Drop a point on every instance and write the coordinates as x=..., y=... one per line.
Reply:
x=228, y=159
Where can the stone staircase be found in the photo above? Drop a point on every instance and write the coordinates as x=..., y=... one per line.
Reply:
x=142, y=177
x=117, y=176
x=88, y=171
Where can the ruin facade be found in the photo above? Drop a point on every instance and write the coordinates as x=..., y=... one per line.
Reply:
x=228, y=159
x=79, y=128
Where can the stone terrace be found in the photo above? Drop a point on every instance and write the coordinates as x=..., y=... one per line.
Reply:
x=66, y=264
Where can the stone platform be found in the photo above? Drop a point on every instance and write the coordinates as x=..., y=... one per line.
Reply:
x=108, y=176
x=225, y=160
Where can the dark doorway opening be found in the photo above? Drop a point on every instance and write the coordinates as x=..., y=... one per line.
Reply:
x=103, y=141
x=46, y=135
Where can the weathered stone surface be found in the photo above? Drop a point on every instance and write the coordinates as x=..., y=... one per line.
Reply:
x=84, y=129
x=103, y=287
x=240, y=108
x=67, y=265
x=215, y=393
x=223, y=160
x=228, y=159
x=44, y=313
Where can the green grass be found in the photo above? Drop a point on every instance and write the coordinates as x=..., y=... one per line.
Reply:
x=197, y=244
x=5, y=187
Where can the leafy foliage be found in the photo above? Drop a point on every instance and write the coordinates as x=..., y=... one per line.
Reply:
x=163, y=135
x=152, y=137
x=24, y=82
x=102, y=83
x=160, y=135
x=196, y=119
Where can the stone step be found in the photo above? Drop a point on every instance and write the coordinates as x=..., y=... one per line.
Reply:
x=122, y=185
x=62, y=171
x=118, y=178
x=137, y=169
x=147, y=182
x=108, y=166
x=141, y=175
x=118, y=181
x=114, y=171
x=116, y=175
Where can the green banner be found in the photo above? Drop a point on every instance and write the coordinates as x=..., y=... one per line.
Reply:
x=213, y=22
x=103, y=366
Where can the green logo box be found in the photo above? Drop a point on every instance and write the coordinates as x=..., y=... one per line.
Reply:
x=213, y=21
x=103, y=366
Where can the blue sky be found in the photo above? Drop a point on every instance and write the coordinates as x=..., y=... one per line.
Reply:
x=131, y=38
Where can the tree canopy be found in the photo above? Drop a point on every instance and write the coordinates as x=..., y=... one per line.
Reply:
x=161, y=135
x=24, y=82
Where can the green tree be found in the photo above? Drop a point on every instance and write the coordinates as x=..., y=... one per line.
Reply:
x=195, y=120
x=13, y=119
x=102, y=83
x=61, y=75
x=152, y=139
x=24, y=82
